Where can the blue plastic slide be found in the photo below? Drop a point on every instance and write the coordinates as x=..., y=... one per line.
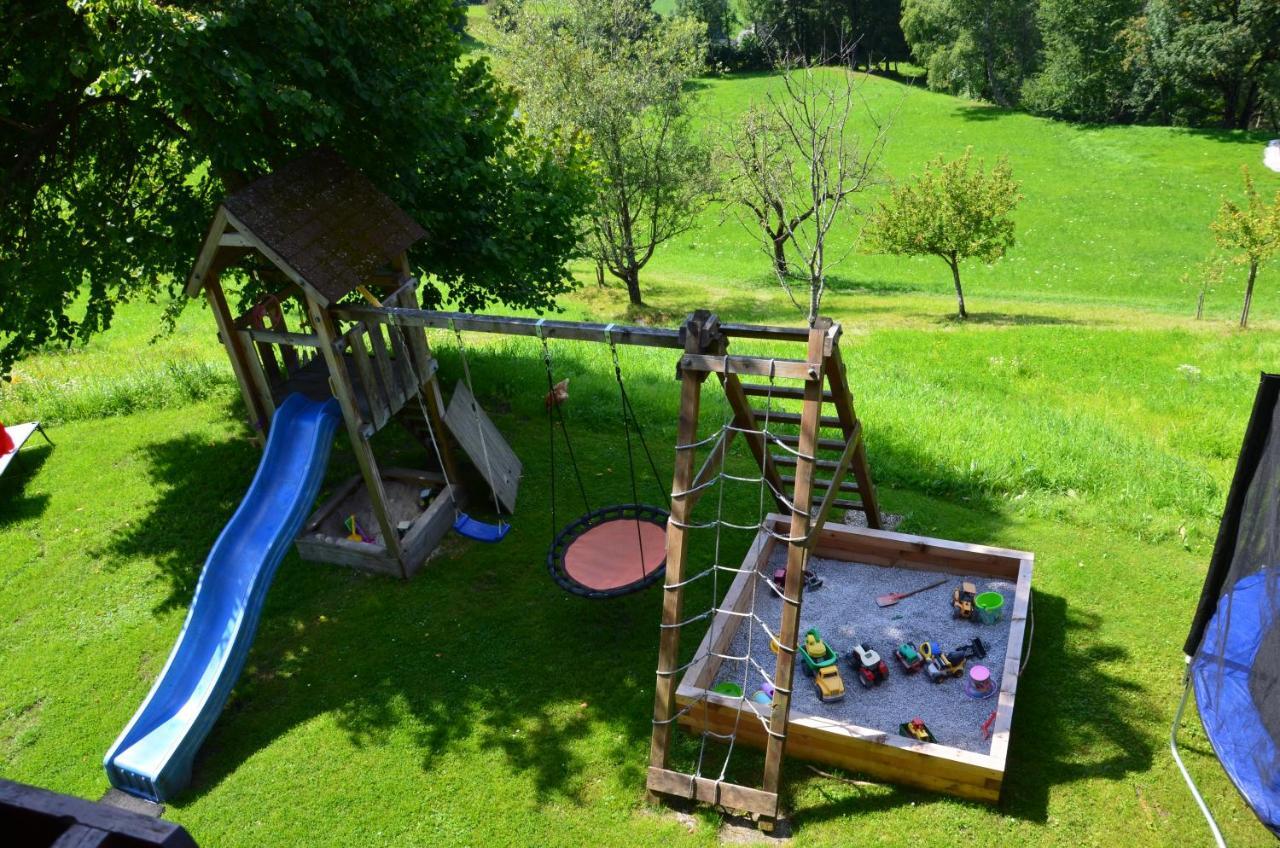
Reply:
x=152, y=757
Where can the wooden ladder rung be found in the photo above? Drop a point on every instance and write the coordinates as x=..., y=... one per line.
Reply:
x=823, y=444
x=781, y=392
x=776, y=417
x=838, y=503
x=823, y=485
x=788, y=459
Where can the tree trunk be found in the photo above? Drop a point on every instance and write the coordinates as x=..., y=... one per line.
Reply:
x=1248, y=294
x=780, y=256
x=955, y=274
x=631, y=276
x=599, y=274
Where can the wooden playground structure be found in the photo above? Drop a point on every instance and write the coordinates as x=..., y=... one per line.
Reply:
x=324, y=237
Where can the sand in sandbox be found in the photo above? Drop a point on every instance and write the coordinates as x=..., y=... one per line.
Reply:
x=844, y=611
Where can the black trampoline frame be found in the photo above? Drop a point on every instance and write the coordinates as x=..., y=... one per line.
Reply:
x=580, y=525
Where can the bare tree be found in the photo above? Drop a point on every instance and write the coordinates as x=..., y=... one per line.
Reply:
x=794, y=162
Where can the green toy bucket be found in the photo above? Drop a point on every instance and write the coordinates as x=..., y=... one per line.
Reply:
x=990, y=605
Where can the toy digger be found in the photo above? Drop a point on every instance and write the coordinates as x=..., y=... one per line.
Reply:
x=951, y=664
x=962, y=600
x=916, y=729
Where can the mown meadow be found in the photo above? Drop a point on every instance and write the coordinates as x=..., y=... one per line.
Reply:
x=1081, y=413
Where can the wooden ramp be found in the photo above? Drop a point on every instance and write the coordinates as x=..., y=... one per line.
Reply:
x=489, y=452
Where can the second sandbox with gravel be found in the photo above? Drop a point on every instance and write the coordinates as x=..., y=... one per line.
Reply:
x=861, y=731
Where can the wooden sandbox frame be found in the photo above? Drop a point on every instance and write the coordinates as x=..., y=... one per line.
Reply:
x=884, y=755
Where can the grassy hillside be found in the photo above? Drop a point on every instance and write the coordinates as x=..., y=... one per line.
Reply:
x=1080, y=414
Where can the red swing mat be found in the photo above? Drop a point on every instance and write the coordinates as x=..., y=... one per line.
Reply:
x=616, y=553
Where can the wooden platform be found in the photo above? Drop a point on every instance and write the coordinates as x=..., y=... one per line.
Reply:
x=883, y=755
x=312, y=381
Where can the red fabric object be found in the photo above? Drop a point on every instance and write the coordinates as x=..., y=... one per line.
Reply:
x=6, y=443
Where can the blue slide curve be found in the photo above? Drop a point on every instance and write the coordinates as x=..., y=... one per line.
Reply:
x=152, y=757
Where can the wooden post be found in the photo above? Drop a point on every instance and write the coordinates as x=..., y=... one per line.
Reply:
x=259, y=416
x=797, y=556
x=664, y=702
x=843, y=399
x=430, y=386
x=744, y=416
x=340, y=383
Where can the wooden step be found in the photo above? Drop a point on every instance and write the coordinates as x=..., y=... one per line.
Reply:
x=790, y=460
x=776, y=417
x=843, y=504
x=781, y=392
x=823, y=444
x=822, y=485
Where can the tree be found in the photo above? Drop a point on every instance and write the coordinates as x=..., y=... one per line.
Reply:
x=1251, y=231
x=122, y=125
x=978, y=48
x=794, y=162
x=1084, y=75
x=953, y=211
x=613, y=75
x=717, y=15
x=1209, y=61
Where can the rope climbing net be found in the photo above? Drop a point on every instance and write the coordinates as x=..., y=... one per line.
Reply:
x=749, y=670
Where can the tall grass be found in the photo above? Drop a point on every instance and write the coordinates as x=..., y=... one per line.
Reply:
x=91, y=394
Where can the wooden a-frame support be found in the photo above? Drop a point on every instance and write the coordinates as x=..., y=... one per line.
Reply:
x=824, y=381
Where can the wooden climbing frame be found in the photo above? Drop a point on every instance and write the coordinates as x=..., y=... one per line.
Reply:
x=822, y=383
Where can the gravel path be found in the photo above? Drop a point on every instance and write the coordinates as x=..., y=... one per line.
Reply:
x=844, y=611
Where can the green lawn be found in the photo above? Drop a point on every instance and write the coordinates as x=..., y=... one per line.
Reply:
x=479, y=705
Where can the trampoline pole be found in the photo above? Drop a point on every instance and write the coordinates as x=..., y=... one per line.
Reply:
x=1186, y=775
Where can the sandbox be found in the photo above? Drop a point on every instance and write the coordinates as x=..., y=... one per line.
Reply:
x=324, y=538
x=861, y=731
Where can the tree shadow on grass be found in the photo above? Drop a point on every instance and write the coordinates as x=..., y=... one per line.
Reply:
x=17, y=504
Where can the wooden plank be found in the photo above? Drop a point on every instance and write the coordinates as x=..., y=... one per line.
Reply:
x=257, y=374
x=779, y=417
x=375, y=398
x=402, y=367
x=331, y=503
x=24, y=809
x=281, y=338
x=372, y=558
x=204, y=269
x=784, y=369
x=744, y=418
x=1001, y=730
x=778, y=392
x=904, y=549
x=836, y=484
x=392, y=387
x=428, y=529
x=839, y=383
x=664, y=699
x=823, y=444
x=340, y=381
x=258, y=416
x=482, y=441
x=793, y=586
x=924, y=765
x=713, y=792
x=820, y=484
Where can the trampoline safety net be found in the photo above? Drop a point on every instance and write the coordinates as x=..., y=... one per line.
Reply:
x=1234, y=641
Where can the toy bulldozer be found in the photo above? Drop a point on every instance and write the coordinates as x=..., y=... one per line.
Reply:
x=962, y=600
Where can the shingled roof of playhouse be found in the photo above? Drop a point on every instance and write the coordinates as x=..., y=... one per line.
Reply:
x=320, y=221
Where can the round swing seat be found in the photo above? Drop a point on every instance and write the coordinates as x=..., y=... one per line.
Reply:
x=612, y=551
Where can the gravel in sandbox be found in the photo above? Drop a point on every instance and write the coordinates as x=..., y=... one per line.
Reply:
x=844, y=611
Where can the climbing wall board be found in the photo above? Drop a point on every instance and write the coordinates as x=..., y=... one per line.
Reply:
x=482, y=442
